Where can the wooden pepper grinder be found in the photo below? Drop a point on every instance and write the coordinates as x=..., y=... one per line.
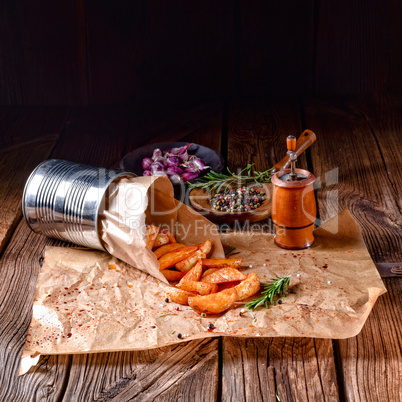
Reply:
x=293, y=204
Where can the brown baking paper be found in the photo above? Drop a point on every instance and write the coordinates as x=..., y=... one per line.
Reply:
x=85, y=304
x=134, y=202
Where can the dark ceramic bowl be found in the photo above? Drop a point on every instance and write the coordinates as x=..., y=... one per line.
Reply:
x=132, y=162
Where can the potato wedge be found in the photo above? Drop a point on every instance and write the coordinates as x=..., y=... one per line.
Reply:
x=221, y=262
x=206, y=247
x=169, y=235
x=152, y=232
x=161, y=240
x=194, y=274
x=227, y=285
x=191, y=260
x=198, y=287
x=209, y=271
x=172, y=276
x=188, y=263
x=224, y=275
x=167, y=248
x=169, y=260
x=178, y=296
x=214, y=303
x=249, y=287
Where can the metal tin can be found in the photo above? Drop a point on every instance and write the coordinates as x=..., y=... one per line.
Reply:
x=63, y=199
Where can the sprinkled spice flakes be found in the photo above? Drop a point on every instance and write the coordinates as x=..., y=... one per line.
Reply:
x=296, y=314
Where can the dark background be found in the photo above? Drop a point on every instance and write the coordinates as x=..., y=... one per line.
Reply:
x=80, y=52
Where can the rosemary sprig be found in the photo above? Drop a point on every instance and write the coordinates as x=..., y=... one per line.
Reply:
x=230, y=251
x=216, y=182
x=276, y=287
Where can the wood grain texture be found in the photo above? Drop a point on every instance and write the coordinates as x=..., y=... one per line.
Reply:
x=257, y=133
x=27, y=137
x=94, y=135
x=189, y=54
x=158, y=52
x=274, y=46
x=257, y=369
x=372, y=361
x=170, y=373
x=200, y=124
x=294, y=369
x=117, y=41
x=369, y=185
x=42, y=53
x=357, y=47
x=19, y=269
x=368, y=366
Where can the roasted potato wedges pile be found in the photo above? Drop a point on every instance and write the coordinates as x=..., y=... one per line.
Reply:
x=209, y=286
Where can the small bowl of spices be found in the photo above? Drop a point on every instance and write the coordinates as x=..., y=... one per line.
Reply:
x=250, y=203
x=240, y=199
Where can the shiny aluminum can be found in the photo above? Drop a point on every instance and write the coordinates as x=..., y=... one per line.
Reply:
x=63, y=199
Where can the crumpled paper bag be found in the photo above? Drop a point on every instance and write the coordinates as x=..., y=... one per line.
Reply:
x=88, y=301
x=131, y=203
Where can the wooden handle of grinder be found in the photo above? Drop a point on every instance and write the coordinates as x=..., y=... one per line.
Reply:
x=306, y=139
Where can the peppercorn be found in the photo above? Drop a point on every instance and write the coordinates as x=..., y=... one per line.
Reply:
x=179, y=335
x=237, y=200
x=211, y=326
x=279, y=301
x=166, y=300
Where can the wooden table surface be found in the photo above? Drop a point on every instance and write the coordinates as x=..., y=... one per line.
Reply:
x=357, y=160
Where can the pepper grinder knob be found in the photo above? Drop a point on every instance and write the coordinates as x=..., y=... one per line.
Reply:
x=291, y=144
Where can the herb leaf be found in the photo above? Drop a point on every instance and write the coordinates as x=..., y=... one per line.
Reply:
x=230, y=251
x=215, y=182
x=276, y=287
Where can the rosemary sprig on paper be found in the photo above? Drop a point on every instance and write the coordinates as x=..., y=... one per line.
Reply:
x=216, y=182
x=230, y=251
x=276, y=287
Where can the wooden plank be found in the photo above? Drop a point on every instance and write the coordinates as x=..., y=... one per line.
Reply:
x=200, y=124
x=192, y=44
x=159, y=52
x=356, y=164
x=42, y=59
x=371, y=362
x=258, y=131
x=360, y=142
x=117, y=38
x=358, y=50
x=27, y=137
x=19, y=269
x=274, y=47
x=167, y=374
x=295, y=369
x=292, y=369
x=96, y=135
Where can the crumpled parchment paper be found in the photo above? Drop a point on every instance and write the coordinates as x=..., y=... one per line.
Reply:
x=88, y=301
x=134, y=202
